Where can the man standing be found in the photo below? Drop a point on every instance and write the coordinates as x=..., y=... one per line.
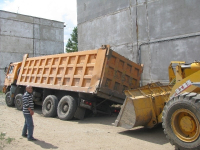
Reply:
x=28, y=107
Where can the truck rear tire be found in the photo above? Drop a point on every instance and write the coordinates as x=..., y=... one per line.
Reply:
x=9, y=102
x=49, y=106
x=66, y=108
x=181, y=121
x=18, y=101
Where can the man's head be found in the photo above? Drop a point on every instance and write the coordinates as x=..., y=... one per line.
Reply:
x=29, y=89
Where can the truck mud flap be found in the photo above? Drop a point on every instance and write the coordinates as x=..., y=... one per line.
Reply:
x=80, y=113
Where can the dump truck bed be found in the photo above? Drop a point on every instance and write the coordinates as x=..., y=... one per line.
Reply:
x=102, y=72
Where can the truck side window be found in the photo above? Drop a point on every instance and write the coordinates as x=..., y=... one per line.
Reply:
x=11, y=69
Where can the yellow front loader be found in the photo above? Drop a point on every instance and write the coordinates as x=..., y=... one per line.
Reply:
x=176, y=106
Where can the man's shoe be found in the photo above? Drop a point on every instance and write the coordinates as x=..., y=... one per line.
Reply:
x=24, y=135
x=32, y=139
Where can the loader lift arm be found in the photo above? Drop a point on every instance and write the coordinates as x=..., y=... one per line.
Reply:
x=177, y=107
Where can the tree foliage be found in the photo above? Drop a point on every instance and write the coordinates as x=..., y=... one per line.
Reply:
x=72, y=44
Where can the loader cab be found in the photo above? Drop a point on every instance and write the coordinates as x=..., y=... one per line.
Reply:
x=189, y=69
x=178, y=70
x=11, y=75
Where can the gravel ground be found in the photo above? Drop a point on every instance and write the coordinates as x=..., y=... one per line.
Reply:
x=92, y=133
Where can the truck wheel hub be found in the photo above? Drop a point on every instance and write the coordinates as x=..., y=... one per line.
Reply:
x=185, y=125
x=48, y=106
x=18, y=101
x=65, y=108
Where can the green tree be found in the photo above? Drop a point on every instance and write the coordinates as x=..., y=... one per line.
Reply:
x=72, y=44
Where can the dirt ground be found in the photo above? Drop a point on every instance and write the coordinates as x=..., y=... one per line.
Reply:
x=92, y=133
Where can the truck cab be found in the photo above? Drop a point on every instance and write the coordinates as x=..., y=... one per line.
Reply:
x=12, y=73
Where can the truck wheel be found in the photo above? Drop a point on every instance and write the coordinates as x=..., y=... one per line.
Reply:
x=8, y=100
x=18, y=101
x=66, y=108
x=181, y=121
x=49, y=106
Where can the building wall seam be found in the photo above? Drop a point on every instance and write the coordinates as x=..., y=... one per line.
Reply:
x=31, y=22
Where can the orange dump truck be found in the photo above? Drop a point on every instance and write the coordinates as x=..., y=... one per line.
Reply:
x=68, y=84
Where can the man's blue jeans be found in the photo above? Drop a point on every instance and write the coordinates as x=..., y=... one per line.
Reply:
x=28, y=125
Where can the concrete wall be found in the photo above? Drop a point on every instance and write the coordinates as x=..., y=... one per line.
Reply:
x=172, y=29
x=21, y=34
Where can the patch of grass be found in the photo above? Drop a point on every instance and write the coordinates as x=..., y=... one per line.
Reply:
x=2, y=136
x=4, y=141
x=9, y=140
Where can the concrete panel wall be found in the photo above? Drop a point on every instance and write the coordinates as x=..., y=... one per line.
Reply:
x=17, y=17
x=21, y=34
x=2, y=77
x=171, y=29
x=44, y=47
x=114, y=33
x=169, y=18
x=156, y=57
x=88, y=9
x=16, y=28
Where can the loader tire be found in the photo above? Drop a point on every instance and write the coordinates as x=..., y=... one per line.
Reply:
x=181, y=121
x=18, y=101
x=9, y=101
x=49, y=106
x=66, y=108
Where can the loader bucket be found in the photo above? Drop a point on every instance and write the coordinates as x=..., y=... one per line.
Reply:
x=143, y=106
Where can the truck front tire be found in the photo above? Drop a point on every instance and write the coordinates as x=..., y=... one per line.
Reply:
x=66, y=108
x=49, y=106
x=18, y=101
x=9, y=101
x=181, y=121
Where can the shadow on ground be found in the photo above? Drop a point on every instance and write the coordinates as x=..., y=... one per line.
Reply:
x=89, y=119
x=155, y=135
x=45, y=145
x=98, y=119
x=38, y=109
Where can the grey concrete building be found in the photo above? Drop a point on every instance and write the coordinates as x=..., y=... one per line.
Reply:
x=151, y=32
x=21, y=34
